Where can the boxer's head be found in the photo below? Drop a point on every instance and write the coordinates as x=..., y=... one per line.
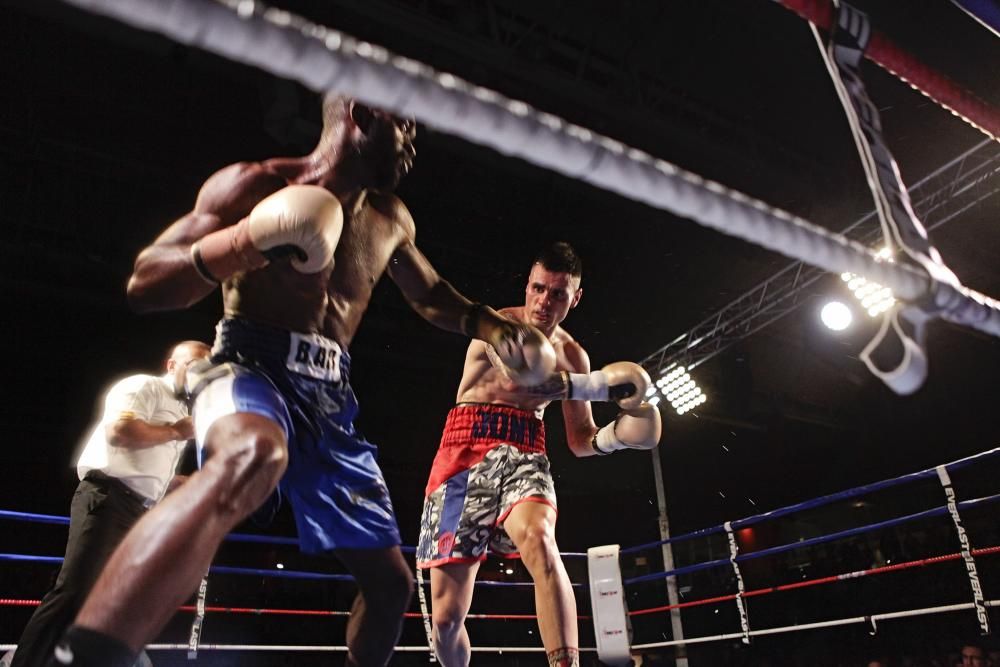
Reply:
x=382, y=141
x=553, y=286
x=182, y=356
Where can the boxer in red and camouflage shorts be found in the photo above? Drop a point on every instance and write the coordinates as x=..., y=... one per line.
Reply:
x=490, y=485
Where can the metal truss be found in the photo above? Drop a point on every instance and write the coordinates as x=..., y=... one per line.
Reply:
x=938, y=198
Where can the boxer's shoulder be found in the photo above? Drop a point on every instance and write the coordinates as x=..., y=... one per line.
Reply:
x=392, y=208
x=234, y=190
x=570, y=355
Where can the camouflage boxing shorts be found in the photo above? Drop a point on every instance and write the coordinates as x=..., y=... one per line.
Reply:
x=491, y=458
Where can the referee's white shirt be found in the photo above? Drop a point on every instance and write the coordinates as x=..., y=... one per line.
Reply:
x=147, y=470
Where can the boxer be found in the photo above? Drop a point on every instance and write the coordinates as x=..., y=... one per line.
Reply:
x=490, y=484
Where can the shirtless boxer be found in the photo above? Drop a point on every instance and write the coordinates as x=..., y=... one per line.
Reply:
x=490, y=484
x=297, y=245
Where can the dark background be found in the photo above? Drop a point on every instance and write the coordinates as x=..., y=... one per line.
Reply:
x=106, y=134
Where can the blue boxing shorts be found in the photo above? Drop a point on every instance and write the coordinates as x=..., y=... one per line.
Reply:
x=301, y=382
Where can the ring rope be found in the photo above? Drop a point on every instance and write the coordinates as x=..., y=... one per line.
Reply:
x=812, y=541
x=525, y=649
x=323, y=59
x=327, y=649
x=819, y=581
x=270, y=611
x=277, y=574
x=895, y=60
x=232, y=537
x=821, y=624
x=812, y=503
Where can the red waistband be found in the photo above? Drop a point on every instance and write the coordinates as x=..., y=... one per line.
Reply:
x=486, y=423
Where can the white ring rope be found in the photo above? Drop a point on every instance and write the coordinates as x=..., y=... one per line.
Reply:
x=332, y=649
x=867, y=620
x=323, y=59
x=854, y=620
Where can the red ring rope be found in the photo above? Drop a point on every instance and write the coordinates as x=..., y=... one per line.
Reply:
x=888, y=55
x=816, y=582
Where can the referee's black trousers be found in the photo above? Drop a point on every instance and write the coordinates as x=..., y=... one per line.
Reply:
x=102, y=512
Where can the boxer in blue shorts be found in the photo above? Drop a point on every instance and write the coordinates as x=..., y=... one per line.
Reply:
x=297, y=245
x=302, y=383
x=490, y=485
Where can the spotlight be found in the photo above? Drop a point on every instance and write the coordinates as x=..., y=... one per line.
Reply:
x=836, y=316
x=680, y=389
x=280, y=566
x=875, y=298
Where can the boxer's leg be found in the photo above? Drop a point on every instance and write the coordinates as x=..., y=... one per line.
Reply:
x=385, y=585
x=452, y=586
x=531, y=525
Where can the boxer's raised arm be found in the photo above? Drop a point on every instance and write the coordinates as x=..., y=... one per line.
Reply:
x=176, y=270
x=523, y=350
x=430, y=295
x=164, y=276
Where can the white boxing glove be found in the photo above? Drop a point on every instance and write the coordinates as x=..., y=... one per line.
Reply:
x=638, y=428
x=623, y=382
x=306, y=220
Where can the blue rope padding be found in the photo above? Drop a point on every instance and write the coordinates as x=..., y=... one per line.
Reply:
x=813, y=541
x=278, y=574
x=232, y=537
x=986, y=11
x=37, y=518
x=820, y=501
x=33, y=559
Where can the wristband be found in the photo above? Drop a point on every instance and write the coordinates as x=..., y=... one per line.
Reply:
x=587, y=386
x=199, y=264
x=606, y=441
x=470, y=320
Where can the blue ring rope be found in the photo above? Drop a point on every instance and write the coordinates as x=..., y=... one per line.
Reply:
x=813, y=541
x=820, y=501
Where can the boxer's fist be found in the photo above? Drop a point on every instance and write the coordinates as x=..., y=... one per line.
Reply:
x=303, y=220
x=527, y=356
x=627, y=383
x=306, y=218
x=638, y=428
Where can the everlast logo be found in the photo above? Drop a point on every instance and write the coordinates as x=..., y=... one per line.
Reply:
x=970, y=563
x=512, y=428
x=740, y=589
x=314, y=356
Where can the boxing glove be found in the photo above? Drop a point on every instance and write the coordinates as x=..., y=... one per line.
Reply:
x=638, y=428
x=527, y=356
x=306, y=220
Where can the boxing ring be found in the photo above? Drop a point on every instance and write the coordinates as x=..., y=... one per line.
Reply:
x=950, y=514
x=324, y=59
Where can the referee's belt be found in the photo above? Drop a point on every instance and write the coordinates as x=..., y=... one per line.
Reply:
x=100, y=478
